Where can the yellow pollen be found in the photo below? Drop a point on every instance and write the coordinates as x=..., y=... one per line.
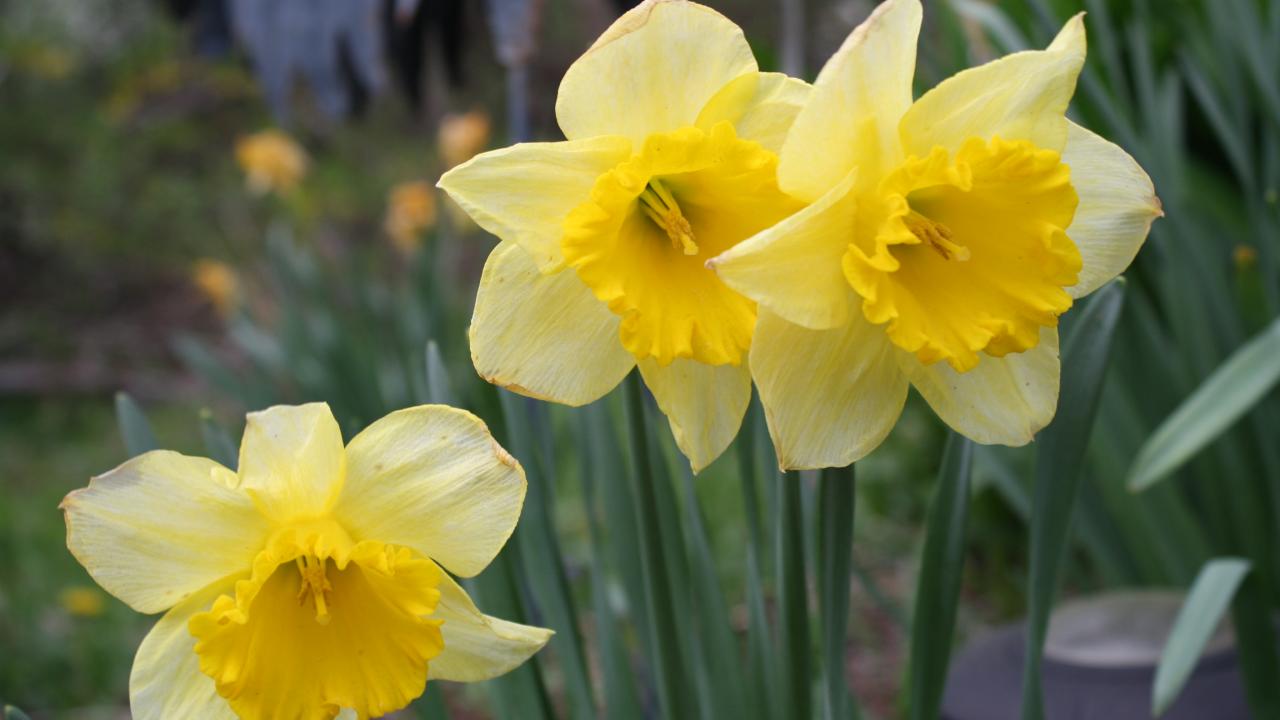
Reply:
x=660, y=205
x=937, y=235
x=314, y=583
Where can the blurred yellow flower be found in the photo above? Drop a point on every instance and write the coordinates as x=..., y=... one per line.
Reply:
x=307, y=582
x=942, y=240
x=82, y=601
x=670, y=160
x=218, y=282
x=271, y=160
x=462, y=136
x=411, y=210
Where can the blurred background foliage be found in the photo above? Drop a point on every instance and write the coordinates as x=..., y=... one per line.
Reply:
x=135, y=256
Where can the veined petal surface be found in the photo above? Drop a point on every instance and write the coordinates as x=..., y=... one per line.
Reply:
x=1003, y=401
x=166, y=681
x=830, y=396
x=433, y=479
x=161, y=527
x=851, y=117
x=292, y=461
x=703, y=403
x=477, y=646
x=760, y=106
x=793, y=268
x=1023, y=96
x=544, y=335
x=523, y=193
x=1117, y=206
x=652, y=71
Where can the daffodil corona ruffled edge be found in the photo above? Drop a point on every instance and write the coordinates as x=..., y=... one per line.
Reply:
x=670, y=158
x=306, y=583
x=943, y=238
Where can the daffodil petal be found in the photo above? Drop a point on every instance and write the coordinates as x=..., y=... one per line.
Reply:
x=478, y=646
x=291, y=460
x=830, y=396
x=851, y=116
x=523, y=193
x=1117, y=206
x=704, y=404
x=652, y=71
x=793, y=268
x=166, y=681
x=433, y=479
x=1023, y=96
x=1003, y=401
x=545, y=336
x=161, y=527
x=760, y=106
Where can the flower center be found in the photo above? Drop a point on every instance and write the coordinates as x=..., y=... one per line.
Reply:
x=641, y=241
x=967, y=254
x=315, y=584
x=938, y=236
x=660, y=205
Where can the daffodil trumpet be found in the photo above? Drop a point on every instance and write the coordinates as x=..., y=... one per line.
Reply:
x=311, y=581
x=941, y=240
x=670, y=160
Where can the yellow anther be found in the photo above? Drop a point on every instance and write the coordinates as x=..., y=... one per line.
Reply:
x=661, y=207
x=937, y=236
x=314, y=583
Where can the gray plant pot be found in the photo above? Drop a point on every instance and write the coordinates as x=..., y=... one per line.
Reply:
x=1100, y=662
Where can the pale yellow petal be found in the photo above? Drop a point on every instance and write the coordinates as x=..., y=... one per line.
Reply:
x=703, y=403
x=522, y=193
x=545, y=336
x=793, y=268
x=1023, y=96
x=433, y=479
x=830, y=396
x=166, y=681
x=1117, y=206
x=161, y=527
x=291, y=460
x=478, y=646
x=652, y=71
x=761, y=107
x=851, y=117
x=1002, y=401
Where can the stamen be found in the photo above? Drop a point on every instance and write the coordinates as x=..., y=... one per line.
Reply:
x=314, y=583
x=660, y=205
x=937, y=235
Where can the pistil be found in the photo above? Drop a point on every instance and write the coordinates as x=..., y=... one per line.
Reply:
x=661, y=207
x=937, y=236
x=315, y=583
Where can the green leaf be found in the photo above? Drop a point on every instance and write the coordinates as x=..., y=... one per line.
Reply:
x=938, y=591
x=439, y=389
x=1235, y=387
x=793, y=605
x=836, y=492
x=216, y=440
x=1200, y=614
x=134, y=427
x=1058, y=462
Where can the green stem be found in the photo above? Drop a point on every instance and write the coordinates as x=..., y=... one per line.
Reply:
x=657, y=585
x=793, y=611
x=836, y=491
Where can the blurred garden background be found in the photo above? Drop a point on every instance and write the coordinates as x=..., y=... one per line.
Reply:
x=211, y=207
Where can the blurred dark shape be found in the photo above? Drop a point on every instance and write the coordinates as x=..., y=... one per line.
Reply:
x=514, y=24
x=411, y=25
x=335, y=45
x=624, y=5
x=210, y=24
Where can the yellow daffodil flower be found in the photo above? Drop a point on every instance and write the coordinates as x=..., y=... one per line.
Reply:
x=942, y=240
x=670, y=160
x=218, y=282
x=411, y=210
x=271, y=160
x=462, y=136
x=306, y=584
